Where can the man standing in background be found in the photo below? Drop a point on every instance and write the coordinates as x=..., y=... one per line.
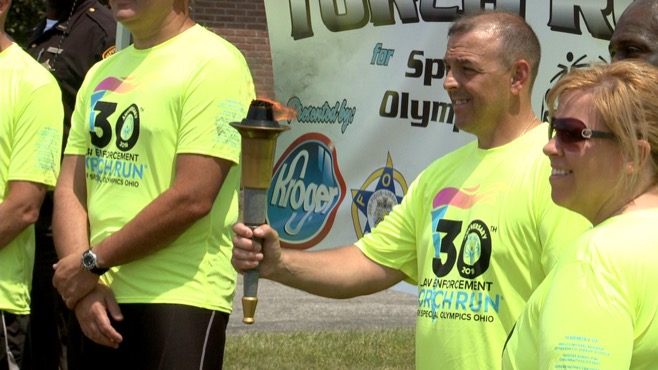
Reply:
x=73, y=36
x=636, y=33
x=148, y=193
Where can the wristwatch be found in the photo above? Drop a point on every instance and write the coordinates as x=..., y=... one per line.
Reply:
x=89, y=263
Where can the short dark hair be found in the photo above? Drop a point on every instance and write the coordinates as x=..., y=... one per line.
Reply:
x=518, y=41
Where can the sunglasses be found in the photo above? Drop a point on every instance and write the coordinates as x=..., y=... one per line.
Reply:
x=572, y=130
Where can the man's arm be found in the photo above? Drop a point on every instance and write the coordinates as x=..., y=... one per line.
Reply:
x=196, y=184
x=19, y=209
x=71, y=235
x=71, y=231
x=343, y=272
x=70, y=224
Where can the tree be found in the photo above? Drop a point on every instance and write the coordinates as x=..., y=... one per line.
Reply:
x=22, y=17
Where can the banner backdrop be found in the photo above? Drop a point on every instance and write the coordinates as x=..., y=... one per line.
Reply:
x=365, y=77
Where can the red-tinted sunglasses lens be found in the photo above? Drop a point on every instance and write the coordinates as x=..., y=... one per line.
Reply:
x=567, y=130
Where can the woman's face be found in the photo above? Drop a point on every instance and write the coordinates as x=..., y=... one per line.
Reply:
x=585, y=172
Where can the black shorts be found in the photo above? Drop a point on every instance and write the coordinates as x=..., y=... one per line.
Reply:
x=155, y=337
x=15, y=326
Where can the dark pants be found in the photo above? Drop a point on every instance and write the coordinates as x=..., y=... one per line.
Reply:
x=155, y=337
x=49, y=316
x=16, y=328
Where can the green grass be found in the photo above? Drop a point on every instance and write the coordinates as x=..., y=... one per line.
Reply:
x=363, y=349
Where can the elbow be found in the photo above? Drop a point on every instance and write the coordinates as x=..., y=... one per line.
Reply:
x=194, y=205
x=30, y=216
x=200, y=208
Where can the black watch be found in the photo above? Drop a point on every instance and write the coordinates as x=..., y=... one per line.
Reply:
x=89, y=263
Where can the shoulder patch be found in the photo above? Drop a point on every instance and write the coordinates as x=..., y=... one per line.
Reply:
x=109, y=51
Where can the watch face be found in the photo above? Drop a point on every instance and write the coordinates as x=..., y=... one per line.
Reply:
x=88, y=260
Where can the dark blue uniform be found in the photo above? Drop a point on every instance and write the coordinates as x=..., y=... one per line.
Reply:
x=79, y=40
x=73, y=45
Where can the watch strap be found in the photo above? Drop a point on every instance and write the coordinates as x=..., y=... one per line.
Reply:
x=99, y=270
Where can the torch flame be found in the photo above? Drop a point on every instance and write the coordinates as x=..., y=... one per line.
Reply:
x=280, y=111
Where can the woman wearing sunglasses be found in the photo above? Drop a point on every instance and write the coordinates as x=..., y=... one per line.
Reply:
x=598, y=307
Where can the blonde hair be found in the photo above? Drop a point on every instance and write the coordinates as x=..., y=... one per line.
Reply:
x=624, y=95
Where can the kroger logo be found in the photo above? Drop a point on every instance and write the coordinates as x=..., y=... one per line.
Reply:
x=305, y=192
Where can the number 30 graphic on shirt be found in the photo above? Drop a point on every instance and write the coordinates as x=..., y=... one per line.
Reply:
x=126, y=130
x=476, y=243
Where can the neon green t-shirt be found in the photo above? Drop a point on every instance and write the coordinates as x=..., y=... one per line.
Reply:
x=599, y=311
x=31, y=124
x=135, y=112
x=520, y=351
x=477, y=232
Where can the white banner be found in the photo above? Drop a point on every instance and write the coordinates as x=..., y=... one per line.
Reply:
x=365, y=77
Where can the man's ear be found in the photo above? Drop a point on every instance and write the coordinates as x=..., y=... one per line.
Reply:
x=520, y=76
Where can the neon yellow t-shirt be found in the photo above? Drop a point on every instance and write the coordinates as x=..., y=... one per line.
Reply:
x=31, y=124
x=520, y=351
x=600, y=310
x=135, y=112
x=477, y=232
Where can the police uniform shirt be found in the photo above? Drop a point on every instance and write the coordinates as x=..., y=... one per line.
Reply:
x=68, y=50
x=72, y=46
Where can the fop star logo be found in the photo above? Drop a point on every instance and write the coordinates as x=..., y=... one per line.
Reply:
x=306, y=191
x=383, y=189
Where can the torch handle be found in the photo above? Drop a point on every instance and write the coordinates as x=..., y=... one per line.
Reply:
x=250, y=293
x=255, y=208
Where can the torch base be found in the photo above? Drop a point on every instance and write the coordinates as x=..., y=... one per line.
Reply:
x=249, y=309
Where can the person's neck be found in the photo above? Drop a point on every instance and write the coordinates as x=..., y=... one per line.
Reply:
x=147, y=38
x=641, y=200
x=507, y=129
x=5, y=41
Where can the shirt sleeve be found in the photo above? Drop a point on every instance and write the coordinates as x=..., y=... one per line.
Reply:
x=219, y=93
x=392, y=243
x=78, y=135
x=38, y=137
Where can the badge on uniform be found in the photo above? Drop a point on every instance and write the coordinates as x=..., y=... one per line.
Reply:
x=109, y=52
x=54, y=50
